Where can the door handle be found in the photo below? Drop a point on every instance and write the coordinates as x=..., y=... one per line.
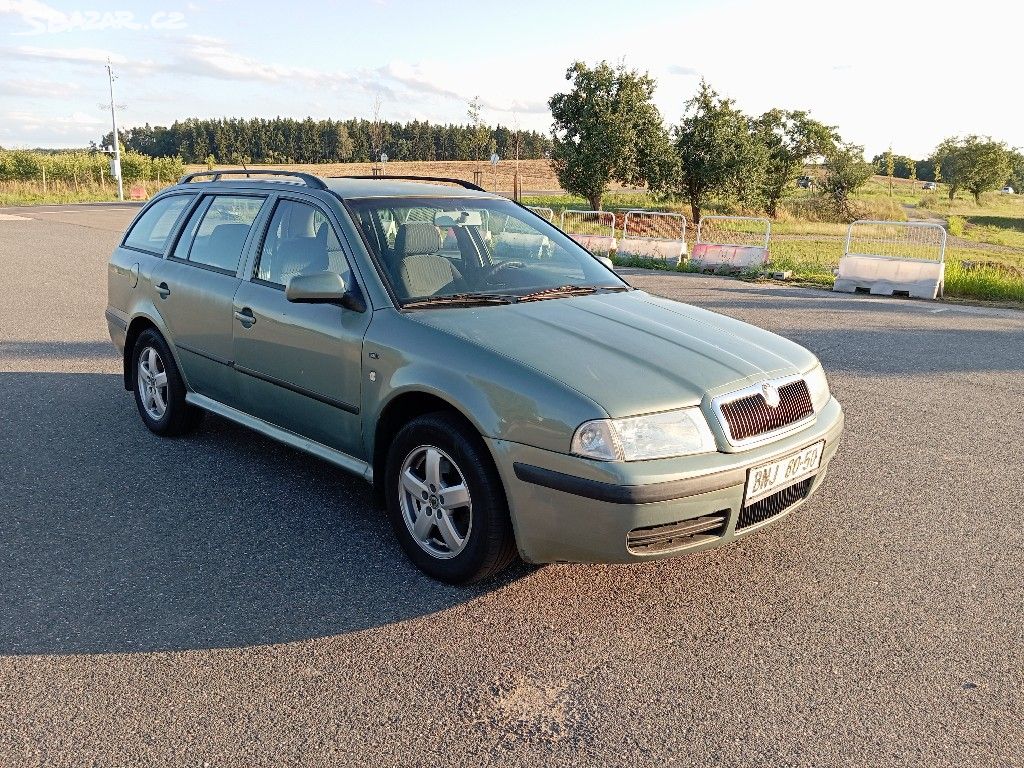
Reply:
x=245, y=317
x=164, y=290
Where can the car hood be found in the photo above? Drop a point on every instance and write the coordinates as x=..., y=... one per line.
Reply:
x=630, y=352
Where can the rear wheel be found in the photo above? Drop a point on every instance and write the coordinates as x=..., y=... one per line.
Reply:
x=446, y=502
x=159, y=388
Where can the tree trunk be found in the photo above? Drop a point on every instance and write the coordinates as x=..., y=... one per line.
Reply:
x=595, y=201
x=695, y=212
x=773, y=206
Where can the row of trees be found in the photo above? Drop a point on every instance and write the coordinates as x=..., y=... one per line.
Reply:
x=975, y=164
x=285, y=140
x=607, y=128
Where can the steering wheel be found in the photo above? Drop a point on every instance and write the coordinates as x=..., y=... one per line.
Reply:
x=495, y=269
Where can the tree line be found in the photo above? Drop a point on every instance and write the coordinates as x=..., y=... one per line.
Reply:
x=286, y=140
x=975, y=164
x=606, y=128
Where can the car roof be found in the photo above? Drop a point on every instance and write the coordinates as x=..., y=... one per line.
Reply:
x=346, y=187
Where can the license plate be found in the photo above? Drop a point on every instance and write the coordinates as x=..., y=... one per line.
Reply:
x=769, y=478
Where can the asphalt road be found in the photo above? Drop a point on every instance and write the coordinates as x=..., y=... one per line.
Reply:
x=221, y=600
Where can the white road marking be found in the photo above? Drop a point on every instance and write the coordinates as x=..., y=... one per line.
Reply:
x=12, y=217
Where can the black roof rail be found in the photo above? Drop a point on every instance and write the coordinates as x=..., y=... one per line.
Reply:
x=307, y=178
x=460, y=182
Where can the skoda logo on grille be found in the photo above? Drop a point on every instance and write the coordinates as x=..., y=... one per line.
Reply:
x=771, y=394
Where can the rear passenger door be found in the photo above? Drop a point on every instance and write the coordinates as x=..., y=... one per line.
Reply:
x=195, y=284
x=298, y=365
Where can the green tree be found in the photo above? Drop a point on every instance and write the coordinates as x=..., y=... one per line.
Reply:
x=1017, y=170
x=973, y=163
x=712, y=143
x=791, y=139
x=606, y=128
x=481, y=137
x=845, y=172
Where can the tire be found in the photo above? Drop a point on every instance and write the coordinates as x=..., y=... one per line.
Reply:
x=466, y=537
x=159, y=389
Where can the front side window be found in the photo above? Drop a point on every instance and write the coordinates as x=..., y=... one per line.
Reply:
x=299, y=240
x=218, y=230
x=432, y=249
x=154, y=227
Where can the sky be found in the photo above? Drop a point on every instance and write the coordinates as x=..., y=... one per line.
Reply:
x=899, y=74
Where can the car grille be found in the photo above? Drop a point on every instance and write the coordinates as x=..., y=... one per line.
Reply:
x=773, y=505
x=751, y=416
x=654, y=539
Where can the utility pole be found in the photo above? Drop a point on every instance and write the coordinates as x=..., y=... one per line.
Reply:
x=117, y=142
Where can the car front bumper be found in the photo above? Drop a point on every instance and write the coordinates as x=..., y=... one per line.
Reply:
x=568, y=509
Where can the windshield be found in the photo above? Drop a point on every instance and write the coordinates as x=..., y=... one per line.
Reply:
x=447, y=250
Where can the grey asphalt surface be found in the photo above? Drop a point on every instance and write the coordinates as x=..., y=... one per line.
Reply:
x=221, y=600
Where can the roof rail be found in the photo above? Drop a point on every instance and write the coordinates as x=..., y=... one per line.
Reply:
x=307, y=178
x=460, y=182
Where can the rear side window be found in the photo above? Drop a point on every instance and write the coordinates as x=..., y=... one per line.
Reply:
x=154, y=227
x=218, y=239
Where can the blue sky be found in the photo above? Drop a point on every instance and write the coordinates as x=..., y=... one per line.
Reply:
x=901, y=73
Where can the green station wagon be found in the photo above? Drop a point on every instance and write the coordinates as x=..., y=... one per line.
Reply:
x=502, y=388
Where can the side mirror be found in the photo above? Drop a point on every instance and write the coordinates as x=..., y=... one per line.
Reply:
x=322, y=288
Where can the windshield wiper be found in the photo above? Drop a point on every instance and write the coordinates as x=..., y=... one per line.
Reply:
x=570, y=290
x=460, y=300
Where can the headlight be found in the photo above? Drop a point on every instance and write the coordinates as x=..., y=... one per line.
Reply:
x=817, y=385
x=655, y=436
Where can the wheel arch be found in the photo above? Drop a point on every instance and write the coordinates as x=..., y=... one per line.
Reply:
x=139, y=323
x=399, y=410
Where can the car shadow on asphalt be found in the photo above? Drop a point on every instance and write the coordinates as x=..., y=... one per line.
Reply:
x=115, y=540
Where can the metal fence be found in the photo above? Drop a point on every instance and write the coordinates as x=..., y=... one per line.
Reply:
x=918, y=240
x=594, y=230
x=588, y=222
x=544, y=213
x=654, y=225
x=651, y=234
x=734, y=230
x=738, y=243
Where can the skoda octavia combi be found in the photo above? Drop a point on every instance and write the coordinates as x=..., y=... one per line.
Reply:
x=503, y=390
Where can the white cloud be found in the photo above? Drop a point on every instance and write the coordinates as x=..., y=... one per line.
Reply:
x=678, y=69
x=72, y=55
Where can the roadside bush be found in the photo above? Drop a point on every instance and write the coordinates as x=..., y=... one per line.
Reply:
x=956, y=226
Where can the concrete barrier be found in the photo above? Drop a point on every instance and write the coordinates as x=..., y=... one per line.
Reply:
x=654, y=235
x=733, y=243
x=893, y=257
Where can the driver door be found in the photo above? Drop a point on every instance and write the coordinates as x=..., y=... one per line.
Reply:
x=299, y=365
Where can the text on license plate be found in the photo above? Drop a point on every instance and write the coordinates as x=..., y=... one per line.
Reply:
x=769, y=478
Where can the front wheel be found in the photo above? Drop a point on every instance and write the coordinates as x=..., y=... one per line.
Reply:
x=446, y=502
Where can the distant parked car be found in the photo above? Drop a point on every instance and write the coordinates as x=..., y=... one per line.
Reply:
x=804, y=182
x=1008, y=190
x=930, y=186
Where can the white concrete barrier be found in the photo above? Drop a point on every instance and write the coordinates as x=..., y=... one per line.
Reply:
x=737, y=243
x=655, y=235
x=893, y=257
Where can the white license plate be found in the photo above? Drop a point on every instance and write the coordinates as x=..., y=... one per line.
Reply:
x=769, y=478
